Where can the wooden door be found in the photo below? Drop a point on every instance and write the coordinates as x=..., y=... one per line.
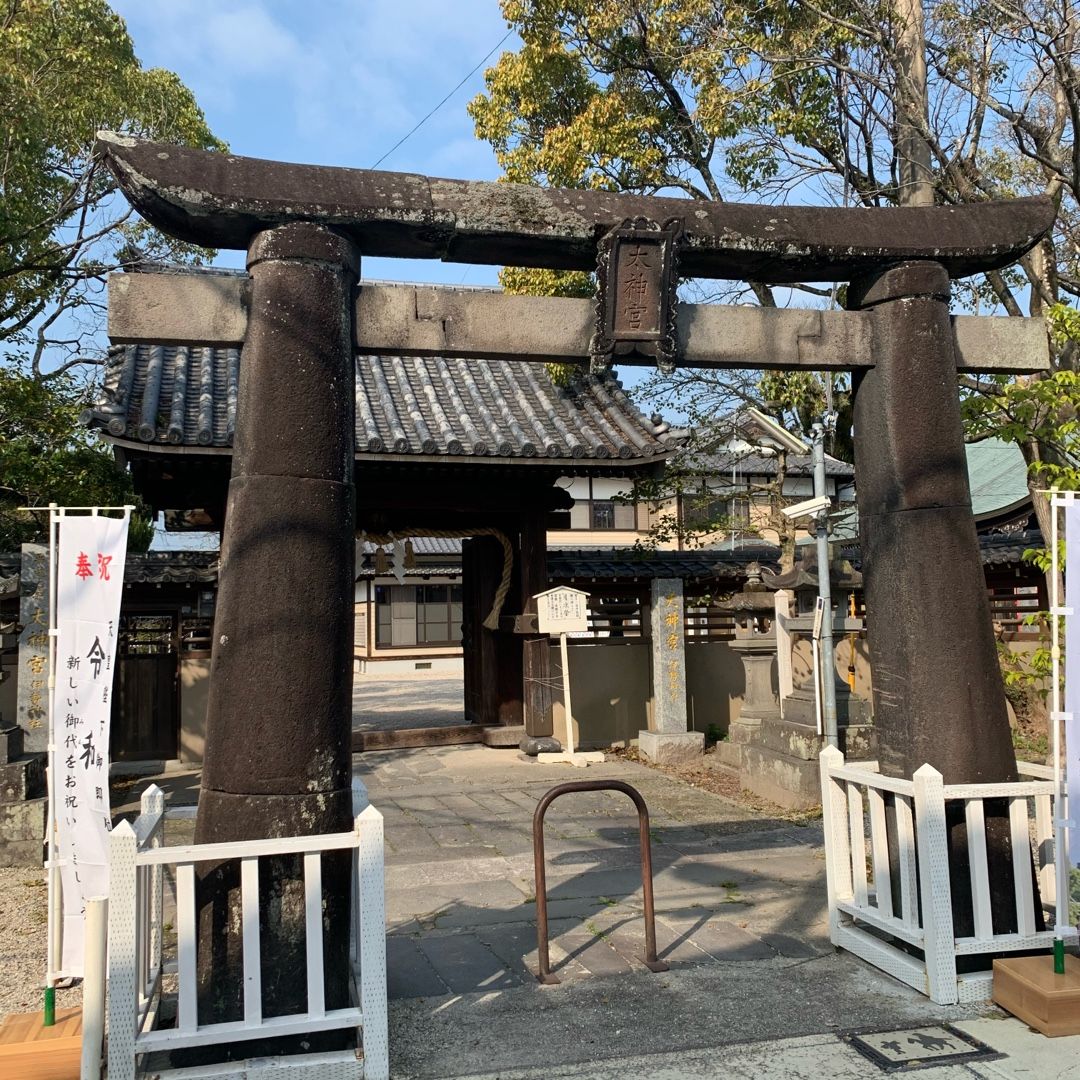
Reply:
x=146, y=714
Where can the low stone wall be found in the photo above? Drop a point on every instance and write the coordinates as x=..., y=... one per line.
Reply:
x=610, y=685
x=609, y=690
x=715, y=683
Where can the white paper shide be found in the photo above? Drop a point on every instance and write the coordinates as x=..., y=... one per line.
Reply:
x=91, y=552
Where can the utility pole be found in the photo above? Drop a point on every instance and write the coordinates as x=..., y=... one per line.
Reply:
x=827, y=673
x=912, y=106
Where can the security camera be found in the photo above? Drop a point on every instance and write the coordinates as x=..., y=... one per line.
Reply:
x=809, y=508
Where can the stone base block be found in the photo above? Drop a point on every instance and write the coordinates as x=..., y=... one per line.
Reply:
x=22, y=832
x=794, y=783
x=728, y=753
x=801, y=741
x=11, y=745
x=663, y=747
x=504, y=736
x=851, y=710
x=779, y=761
x=22, y=779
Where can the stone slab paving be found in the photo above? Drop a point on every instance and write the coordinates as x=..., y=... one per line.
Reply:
x=391, y=702
x=741, y=919
x=460, y=882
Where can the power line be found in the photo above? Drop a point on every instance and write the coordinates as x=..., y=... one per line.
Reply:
x=420, y=124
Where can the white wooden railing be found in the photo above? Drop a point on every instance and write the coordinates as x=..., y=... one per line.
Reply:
x=138, y=859
x=869, y=915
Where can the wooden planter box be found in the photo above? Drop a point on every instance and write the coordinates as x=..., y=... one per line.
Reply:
x=1027, y=987
x=29, y=1051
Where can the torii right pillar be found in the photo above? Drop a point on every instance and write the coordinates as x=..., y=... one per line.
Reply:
x=939, y=697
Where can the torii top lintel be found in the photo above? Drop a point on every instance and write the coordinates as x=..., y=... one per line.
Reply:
x=222, y=200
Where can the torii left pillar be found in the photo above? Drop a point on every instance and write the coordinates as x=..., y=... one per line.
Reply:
x=279, y=714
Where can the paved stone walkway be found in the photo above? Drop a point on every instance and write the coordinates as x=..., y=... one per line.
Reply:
x=459, y=886
x=390, y=702
x=741, y=919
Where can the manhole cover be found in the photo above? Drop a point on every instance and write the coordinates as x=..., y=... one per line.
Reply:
x=915, y=1048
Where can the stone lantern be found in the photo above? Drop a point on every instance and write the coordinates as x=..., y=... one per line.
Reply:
x=777, y=733
x=755, y=643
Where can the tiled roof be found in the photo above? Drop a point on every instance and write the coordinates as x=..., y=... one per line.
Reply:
x=161, y=567
x=422, y=545
x=585, y=564
x=405, y=406
x=995, y=549
x=1008, y=549
x=752, y=463
x=998, y=476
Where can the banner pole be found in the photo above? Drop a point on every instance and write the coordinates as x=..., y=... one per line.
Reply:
x=1061, y=861
x=53, y=879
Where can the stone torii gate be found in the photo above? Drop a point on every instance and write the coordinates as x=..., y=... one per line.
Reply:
x=277, y=754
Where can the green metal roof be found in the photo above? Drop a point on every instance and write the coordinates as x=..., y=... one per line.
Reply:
x=997, y=474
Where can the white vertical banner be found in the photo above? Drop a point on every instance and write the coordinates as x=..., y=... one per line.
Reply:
x=91, y=552
x=1072, y=669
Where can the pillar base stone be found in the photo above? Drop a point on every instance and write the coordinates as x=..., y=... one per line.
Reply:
x=666, y=747
x=779, y=762
x=540, y=744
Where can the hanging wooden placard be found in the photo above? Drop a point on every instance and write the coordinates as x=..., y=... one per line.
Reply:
x=637, y=278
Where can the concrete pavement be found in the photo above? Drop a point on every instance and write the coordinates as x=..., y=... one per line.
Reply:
x=1023, y=1055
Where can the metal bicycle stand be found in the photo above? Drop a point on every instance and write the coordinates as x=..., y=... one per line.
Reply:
x=544, y=974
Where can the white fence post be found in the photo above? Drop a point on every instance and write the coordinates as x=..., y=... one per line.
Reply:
x=837, y=850
x=784, y=639
x=93, y=1008
x=152, y=804
x=934, y=885
x=372, y=945
x=123, y=935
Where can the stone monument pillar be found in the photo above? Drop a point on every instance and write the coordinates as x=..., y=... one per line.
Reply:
x=668, y=739
x=24, y=736
x=939, y=697
x=938, y=691
x=280, y=701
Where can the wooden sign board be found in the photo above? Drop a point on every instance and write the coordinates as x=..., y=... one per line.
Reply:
x=562, y=611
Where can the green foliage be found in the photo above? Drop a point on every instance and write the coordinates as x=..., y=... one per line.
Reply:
x=68, y=68
x=46, y=456
x=604, y=94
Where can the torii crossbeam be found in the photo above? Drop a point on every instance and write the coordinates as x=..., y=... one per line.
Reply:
x=279, y=707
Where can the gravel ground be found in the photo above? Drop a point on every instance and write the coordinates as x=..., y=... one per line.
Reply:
x=22, y=943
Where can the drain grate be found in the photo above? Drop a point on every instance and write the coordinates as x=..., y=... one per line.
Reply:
x=917, y=1048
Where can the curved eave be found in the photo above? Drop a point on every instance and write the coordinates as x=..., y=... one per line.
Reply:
x=556, y=464
x=222, y=200
x=1005, y=512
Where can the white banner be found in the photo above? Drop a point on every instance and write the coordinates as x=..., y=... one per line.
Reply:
x=89, y=581
x=1072, y=672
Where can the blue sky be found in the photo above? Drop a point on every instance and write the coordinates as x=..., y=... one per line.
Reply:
x=334, y=82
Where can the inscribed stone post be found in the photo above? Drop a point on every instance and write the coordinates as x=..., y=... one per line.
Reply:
x=33, y=701
x=668, y=740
